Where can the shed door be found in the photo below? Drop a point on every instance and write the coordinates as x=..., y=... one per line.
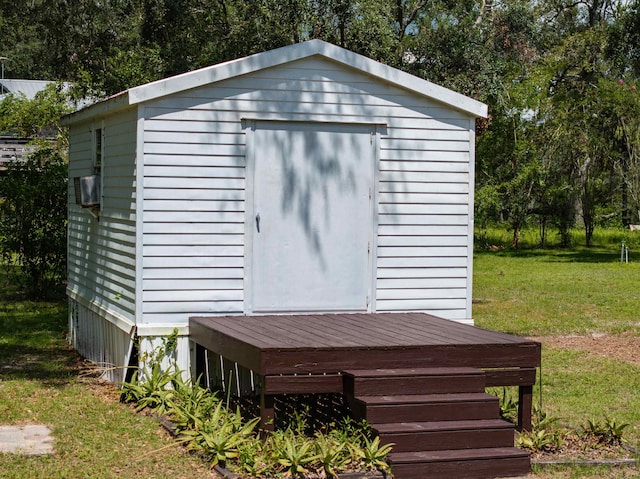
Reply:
x=312, y=217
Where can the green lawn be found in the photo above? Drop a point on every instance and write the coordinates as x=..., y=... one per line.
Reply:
x=557, y=292
x=562, y=292
x=43, y=382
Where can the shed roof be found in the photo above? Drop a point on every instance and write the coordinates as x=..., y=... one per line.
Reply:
x=27, y=87
x=272, y=58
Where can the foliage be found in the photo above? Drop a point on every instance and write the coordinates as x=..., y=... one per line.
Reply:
x=332, y=453
x=204, y=423
x=508, y=404
x=33, y=216
x=609, y=432
x=37, y=118
x=293, y=451
x=153, y=391
x=219, y=435
x=373, y=453
x=544, y=435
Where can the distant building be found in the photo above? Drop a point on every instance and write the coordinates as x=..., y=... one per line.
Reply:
x=28, y=88
x=13, y=148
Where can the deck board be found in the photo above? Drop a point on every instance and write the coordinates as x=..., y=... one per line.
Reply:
x=330, y=343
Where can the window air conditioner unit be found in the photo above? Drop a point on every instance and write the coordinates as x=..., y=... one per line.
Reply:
x=87, y=190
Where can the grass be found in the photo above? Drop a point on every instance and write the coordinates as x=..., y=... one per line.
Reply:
x=556, y=291
x=42, y=382
x=575, y=291
x=577, y=387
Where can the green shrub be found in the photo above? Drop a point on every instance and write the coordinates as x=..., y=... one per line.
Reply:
x=33, y=221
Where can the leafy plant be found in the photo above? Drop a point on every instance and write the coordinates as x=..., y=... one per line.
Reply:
x=540, y=440
x=544, y=436
x=154, y=386
x=609, y=432
x=292, y=451
x=153, y=391
x=253, y=459
x=373, y=454
x=191, y=403
x=219, y=439
x=33, y=219
x=508, y=404
x=332, y=452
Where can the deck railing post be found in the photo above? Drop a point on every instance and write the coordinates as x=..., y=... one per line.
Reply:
x=267, y=408
x=525, y=405
x=201, y=366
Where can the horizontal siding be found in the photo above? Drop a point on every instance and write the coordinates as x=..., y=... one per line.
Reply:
x=419, y=284
x=433, y=167
x=196, y=274
x=443, y=305
x=416, y=209
x=169, y=239
x=421, y=241
x=195, y=180
x=404, y=197
x=417, y=272
x=102, y=254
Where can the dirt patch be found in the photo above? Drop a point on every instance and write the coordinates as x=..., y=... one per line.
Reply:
x=620, y=348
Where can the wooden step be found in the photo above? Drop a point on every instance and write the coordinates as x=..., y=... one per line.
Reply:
x=425, y=407
x=448, y=435
x=471, y=463
x=371, y=382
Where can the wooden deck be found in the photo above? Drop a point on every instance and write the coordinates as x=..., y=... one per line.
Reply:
x=308, y=353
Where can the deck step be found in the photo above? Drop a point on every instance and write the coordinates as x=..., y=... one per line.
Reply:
x=440, y=420
x=413, y=381
x=425, y=407
x=448, y=435
x=472, y=463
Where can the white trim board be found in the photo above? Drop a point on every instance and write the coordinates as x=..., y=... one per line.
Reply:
x=117, y=320
x=272, y=58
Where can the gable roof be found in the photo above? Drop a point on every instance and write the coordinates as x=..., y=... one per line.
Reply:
x=280, y=56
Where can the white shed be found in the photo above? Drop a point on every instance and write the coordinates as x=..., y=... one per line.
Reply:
x=304, y=179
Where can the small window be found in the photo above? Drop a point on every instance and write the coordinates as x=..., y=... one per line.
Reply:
x=97, y=156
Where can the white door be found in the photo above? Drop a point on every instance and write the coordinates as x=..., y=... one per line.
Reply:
x=312, y=217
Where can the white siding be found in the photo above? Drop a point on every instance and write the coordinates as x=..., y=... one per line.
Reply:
x=100, y=341
x=194, y=189
x=102, y=252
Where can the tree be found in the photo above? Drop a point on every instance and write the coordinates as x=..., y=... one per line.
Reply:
x=33, y=215
x=38, y=118
x=33, y=209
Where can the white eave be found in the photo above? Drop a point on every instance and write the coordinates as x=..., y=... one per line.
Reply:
x=272, y=58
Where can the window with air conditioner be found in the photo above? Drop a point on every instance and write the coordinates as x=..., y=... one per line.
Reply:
x=88, y=189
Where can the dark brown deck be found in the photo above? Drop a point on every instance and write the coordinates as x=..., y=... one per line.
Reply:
x=308, y=353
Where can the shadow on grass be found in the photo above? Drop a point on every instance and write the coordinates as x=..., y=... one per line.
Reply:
x=573, y=255
x=52, y=365
x=33, y=343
